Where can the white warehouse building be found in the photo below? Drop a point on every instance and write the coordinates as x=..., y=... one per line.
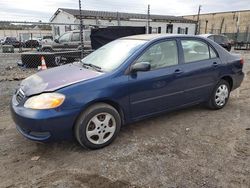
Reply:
x=159, y=23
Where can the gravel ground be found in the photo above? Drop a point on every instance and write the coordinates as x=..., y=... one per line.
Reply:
x=194, y=147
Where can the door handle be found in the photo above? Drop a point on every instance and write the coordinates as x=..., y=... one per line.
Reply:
x=178, y=71
x=215, y=64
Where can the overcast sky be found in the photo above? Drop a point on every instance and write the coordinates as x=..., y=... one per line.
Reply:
x=34, y=10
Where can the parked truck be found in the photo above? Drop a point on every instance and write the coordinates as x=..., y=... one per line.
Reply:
x=69, y=41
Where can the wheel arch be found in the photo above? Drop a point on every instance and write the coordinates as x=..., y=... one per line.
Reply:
x=229, y=79
x=106, y=101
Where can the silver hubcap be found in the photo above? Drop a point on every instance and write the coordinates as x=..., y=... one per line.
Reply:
x=221, y=95
x=101, y=128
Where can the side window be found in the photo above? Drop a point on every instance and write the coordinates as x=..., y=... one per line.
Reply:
x=7, y=39
x=161, y=55
x=13, y=39
x=195, y=50
x=64, y=38
x=212, y=53
x=218, y=39
x=87, y=35
x=76, y=37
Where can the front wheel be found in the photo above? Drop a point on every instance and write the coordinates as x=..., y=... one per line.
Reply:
x=98, y=126
x=220, y=95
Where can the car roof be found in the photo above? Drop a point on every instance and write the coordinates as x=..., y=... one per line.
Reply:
x=208, y=35
x=149, y=37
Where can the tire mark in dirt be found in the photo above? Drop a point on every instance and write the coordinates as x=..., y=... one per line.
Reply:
x=72, y=178
x=242, y=147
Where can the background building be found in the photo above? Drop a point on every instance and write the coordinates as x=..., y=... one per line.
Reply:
x=234, y=24
x=159, y=23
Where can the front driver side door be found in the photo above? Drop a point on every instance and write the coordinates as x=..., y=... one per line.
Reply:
x=161, y=88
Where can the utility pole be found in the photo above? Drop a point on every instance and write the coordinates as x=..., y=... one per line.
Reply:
x=238, y=26
x=221, y=25
x=198, y=20
x=148, y=24
x=118, y=19
x=206, y=27
x=81, y=29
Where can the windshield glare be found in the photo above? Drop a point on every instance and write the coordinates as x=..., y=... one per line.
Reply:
x=113, y=54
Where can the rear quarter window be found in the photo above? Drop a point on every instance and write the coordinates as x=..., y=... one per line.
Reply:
x=213, y=54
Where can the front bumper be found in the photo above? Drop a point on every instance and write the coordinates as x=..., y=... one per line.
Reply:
x=44, y=125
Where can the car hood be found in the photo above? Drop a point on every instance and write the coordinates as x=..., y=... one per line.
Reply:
x=56, y=78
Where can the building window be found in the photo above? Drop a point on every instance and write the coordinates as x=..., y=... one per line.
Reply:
x=67, y=28
x=57, y=30
x=159, y=29
x=181, y=30
x=169, y=28
x=154, y=29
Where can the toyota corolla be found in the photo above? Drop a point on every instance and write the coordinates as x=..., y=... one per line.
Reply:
x=127, y=80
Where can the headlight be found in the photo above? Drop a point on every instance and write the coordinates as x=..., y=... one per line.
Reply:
x=45, y=101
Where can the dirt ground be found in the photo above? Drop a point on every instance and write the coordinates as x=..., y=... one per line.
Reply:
x=194, y=147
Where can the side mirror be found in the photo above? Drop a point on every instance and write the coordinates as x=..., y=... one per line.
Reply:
x=56, y=40
x=141, y=66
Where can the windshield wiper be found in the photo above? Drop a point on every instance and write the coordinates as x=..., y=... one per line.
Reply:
x=97, y=68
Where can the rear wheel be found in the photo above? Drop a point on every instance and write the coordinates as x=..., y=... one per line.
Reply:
x=98, y=126
x=220, y=95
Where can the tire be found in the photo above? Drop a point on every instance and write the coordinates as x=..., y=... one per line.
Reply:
x=97, y=126
x=220, y=95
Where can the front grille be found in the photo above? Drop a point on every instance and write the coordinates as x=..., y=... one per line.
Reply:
x=20, y=96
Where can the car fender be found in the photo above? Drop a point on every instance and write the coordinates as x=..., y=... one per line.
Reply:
x=112, y=103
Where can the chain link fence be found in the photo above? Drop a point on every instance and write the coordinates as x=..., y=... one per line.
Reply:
x=57, y=43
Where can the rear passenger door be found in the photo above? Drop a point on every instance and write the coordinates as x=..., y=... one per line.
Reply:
x=200, y=64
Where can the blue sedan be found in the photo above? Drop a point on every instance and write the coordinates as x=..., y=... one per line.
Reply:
x=127, y=80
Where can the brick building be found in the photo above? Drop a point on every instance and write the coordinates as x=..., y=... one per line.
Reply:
x=234, y=24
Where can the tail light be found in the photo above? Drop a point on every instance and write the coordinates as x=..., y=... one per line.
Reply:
x=242, y=61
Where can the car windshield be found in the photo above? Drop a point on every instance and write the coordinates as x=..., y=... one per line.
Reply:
x=113, y=54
